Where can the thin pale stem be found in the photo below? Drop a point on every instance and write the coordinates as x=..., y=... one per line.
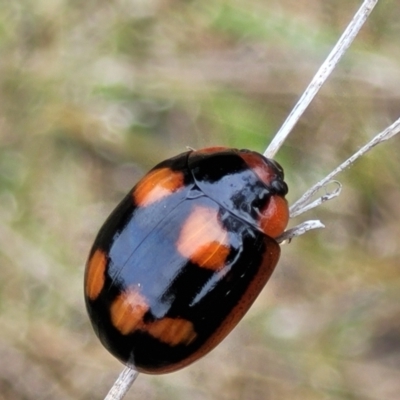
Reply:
x=303, y=204
x=299, y=230
x=122, y=384
x=325, y=197
x=321, y=76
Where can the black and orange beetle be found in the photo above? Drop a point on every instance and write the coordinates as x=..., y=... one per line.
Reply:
x=184, y=255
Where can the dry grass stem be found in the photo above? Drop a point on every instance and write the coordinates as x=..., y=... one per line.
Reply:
x=299, y=230
x=303, y=204
x=122, y=384
x=321, y=76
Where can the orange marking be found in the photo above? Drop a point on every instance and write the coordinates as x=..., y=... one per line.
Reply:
x=211, y=255
x=269, y=261
x=127, y=311
x=95, y=274
x=172, y=331
x=268, y=264
x=203, y=240
x=156, y=185
x=258, y=165
x=274, y=217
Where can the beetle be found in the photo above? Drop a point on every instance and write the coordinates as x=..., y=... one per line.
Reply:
x=184, y=255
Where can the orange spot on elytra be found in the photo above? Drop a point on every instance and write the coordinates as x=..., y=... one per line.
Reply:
x=268, y=263
x=274, y=217
x=172, y=331
x=211, y=255
x=203, y=239
x=157, y=185
x=269, y=260
x=95, y=274
x=127, y=311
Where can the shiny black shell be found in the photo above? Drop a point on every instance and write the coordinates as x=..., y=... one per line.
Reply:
x=184, y=255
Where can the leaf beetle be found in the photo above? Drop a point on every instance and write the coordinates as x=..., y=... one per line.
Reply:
x=184, y=255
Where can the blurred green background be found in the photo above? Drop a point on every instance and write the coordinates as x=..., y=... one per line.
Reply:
x=93, y=94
